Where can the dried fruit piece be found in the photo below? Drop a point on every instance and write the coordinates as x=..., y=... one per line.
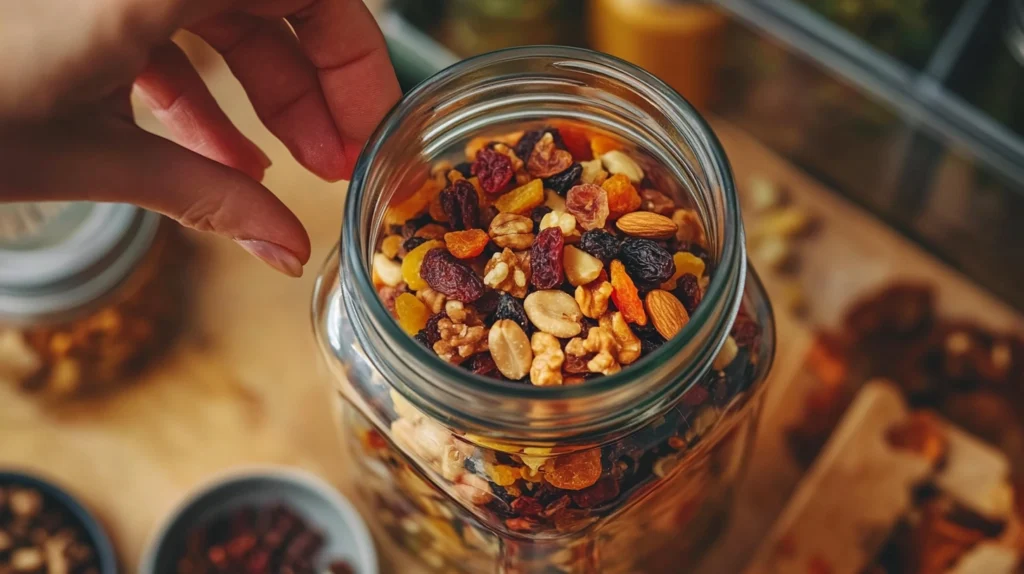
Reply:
x=657, y=202
x=512, y=231
x=502, y=474
x=602, y=144
x=593, y=298
x=574, y=471
x=445, y=274
x=510, y=349
x=391, y=245
x=576, y=140
x=647, y=225
x=466, y=244
x=623, y=198
x=688, y=292
x=413, y=205
x=517, y=164
x=648, y=263
x=482, y=364
x=388, y=271
x=554, y=312
x=580, y=267
x=431, y=331
x=744, y=329
x=510, y=308
x=603, y=491
x=546, y=369
x=649, y=337
x=625, y=296
x=412, y=243
x=589, y=204
x=461, y=205
x=600, y=244
x=412, y=313
x=666, y=312
x=547, y=160
x=493, y=169
x=522, y=199
x=685, y=263
x=617, y=162
x=560, y=183
x=537, y=216
x=413, y=261
x=431, y=231
x=546, y=259
x=478, y=143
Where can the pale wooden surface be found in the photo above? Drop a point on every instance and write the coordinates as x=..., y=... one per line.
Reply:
x=242, y=385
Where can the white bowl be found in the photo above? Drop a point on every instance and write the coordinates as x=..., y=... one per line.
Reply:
x=345, y=534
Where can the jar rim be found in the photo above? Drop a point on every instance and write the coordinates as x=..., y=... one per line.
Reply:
x=723, y=285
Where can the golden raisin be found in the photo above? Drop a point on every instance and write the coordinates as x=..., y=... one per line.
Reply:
x=412, y=261
x=623, y=198
x=466, y=244
x=574, y=471
x=625, y=295
x=522, y=199
x=503, y=474
x=685, y=263
x=412, y=313
x=413, y=205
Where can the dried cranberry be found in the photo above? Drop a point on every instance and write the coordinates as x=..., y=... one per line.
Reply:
x=482, y=364
x=537, y=214
x=511, y=308
x=493, y=169
x=561, y=183
x=526, y=506
x=745, y=330
x=600, y=244
x=546, y=259
x=412, y=243
x=649, y=337
x=647, y=263
x=688, y=292
x=461, y=204
x=465, y=168
x=600, y=492
x=446, y=274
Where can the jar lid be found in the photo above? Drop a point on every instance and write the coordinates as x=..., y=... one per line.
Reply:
x=55, y=258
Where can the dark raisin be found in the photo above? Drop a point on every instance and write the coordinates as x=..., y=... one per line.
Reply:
x=524, y=147
x=546, y=259
x=446, y=274
x=412, y=243
x=745, y=330
x=537, y=214
x=482, y=364
x=600, y=244
x=600, y=492
x=493, y=169
x=647, y=263
x=487, y=303
x=560, y=183
x=649, y=337
x=511, y=308
x=575, y=365
x=423, y=339
x=431, y=331
x=526, y=506
x=688, y=292
x=465, y=168
x=461, y=204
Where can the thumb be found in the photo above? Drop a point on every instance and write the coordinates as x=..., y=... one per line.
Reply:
x=108, y=159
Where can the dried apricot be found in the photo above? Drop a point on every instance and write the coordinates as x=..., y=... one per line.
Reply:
x=522, y=199
x=413, y=260
x=625, y=295
x=623, y=198
x=412, y=313
x=466, y=244
x=574, y=471
x=685, y=263
x=600, y=145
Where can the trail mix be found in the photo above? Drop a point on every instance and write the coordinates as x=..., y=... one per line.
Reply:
x=550, y=257
x=38, y=535
x=542, y=259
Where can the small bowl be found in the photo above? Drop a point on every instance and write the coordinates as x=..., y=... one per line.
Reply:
x=345, y=534
x=105, y=557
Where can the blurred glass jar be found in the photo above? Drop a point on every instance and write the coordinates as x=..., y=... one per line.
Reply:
x=475, y=475
x=87, y=294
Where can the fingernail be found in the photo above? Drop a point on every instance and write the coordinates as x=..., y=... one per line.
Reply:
x=274, y=255
x=264, y=158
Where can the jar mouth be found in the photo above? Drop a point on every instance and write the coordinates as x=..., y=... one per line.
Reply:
x=722, y=298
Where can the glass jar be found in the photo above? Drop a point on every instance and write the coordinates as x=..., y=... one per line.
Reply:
x=460, y=469
x=88, y=293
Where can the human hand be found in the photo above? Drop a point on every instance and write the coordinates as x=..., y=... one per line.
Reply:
x=316, y=71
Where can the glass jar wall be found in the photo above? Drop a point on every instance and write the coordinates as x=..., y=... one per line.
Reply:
x=631, y=471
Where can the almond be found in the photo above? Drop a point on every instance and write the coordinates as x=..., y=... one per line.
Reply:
x=666, y=312
x=647, y=224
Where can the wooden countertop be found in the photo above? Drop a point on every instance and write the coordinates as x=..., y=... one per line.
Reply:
x=242, y=385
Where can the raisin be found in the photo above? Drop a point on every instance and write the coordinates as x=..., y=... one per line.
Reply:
x=526, y=506
x=446, y=274
x=494, y=170
x=647, y=263
x=600, y=244
x=524, y=147
x=575, y=365
x=410, y=227
x=650, y=338
x=560, y=183
x=589, y=204
x=465, y=168
x=603, y=491
x=460, y=203
x=482, y=364
x=537, y=214
x=431, y=333
x=688, y=292
x=511, y=308
x=745, y=330
x=487, y=303
x=546, y=259
x=423, y=339
x=701, y=253
x=412, y=243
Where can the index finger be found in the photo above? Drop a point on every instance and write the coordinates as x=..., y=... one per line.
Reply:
x=344, y=43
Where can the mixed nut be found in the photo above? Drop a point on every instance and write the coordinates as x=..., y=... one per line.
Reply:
x=274, y=539
x=547, y=257
x=40, y=536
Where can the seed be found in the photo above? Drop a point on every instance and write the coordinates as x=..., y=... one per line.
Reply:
x=510, y=349
x=554, y=312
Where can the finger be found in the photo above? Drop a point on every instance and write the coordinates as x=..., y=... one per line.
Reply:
x=342, y=40
x=179, y=98
x=105, y=159
x=282, y=85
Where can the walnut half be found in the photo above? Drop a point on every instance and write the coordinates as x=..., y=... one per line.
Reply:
x=459, y=341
